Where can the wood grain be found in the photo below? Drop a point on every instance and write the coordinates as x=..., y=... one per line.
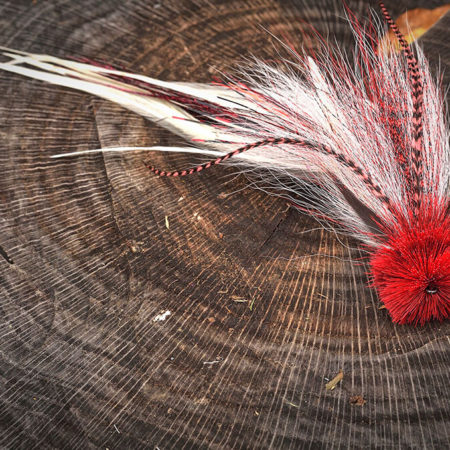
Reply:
x=265, y=308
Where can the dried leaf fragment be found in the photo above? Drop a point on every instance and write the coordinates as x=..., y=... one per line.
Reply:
x=357, y=400
x=334, y=382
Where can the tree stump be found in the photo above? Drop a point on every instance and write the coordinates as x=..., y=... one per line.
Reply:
x=139, y=312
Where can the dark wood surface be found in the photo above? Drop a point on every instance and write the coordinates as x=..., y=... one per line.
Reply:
x=264, y=307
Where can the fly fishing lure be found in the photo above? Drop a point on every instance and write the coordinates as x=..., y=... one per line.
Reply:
x=362, y=146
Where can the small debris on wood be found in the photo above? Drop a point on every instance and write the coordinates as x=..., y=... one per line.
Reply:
x=291, y=404
x=180, y=199
x=238, y=299
x=211, y=319
x=201, y=401
x=220, y=235
x=357, y=400
x=166, y=221
x=382, y=307
x=134, y=246
x=162, y=316
x=334, y=382
x=133, y=249
x=216, y=361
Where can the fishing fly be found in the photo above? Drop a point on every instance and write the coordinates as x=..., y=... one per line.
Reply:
x=362, y=146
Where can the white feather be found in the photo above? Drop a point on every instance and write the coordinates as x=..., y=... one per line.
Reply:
x=308, y=100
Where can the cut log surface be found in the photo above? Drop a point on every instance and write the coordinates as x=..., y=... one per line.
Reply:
x=140, y=312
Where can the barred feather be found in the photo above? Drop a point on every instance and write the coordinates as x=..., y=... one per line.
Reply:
x=362, y=146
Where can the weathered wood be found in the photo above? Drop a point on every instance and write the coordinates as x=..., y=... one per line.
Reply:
x=264, y=307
